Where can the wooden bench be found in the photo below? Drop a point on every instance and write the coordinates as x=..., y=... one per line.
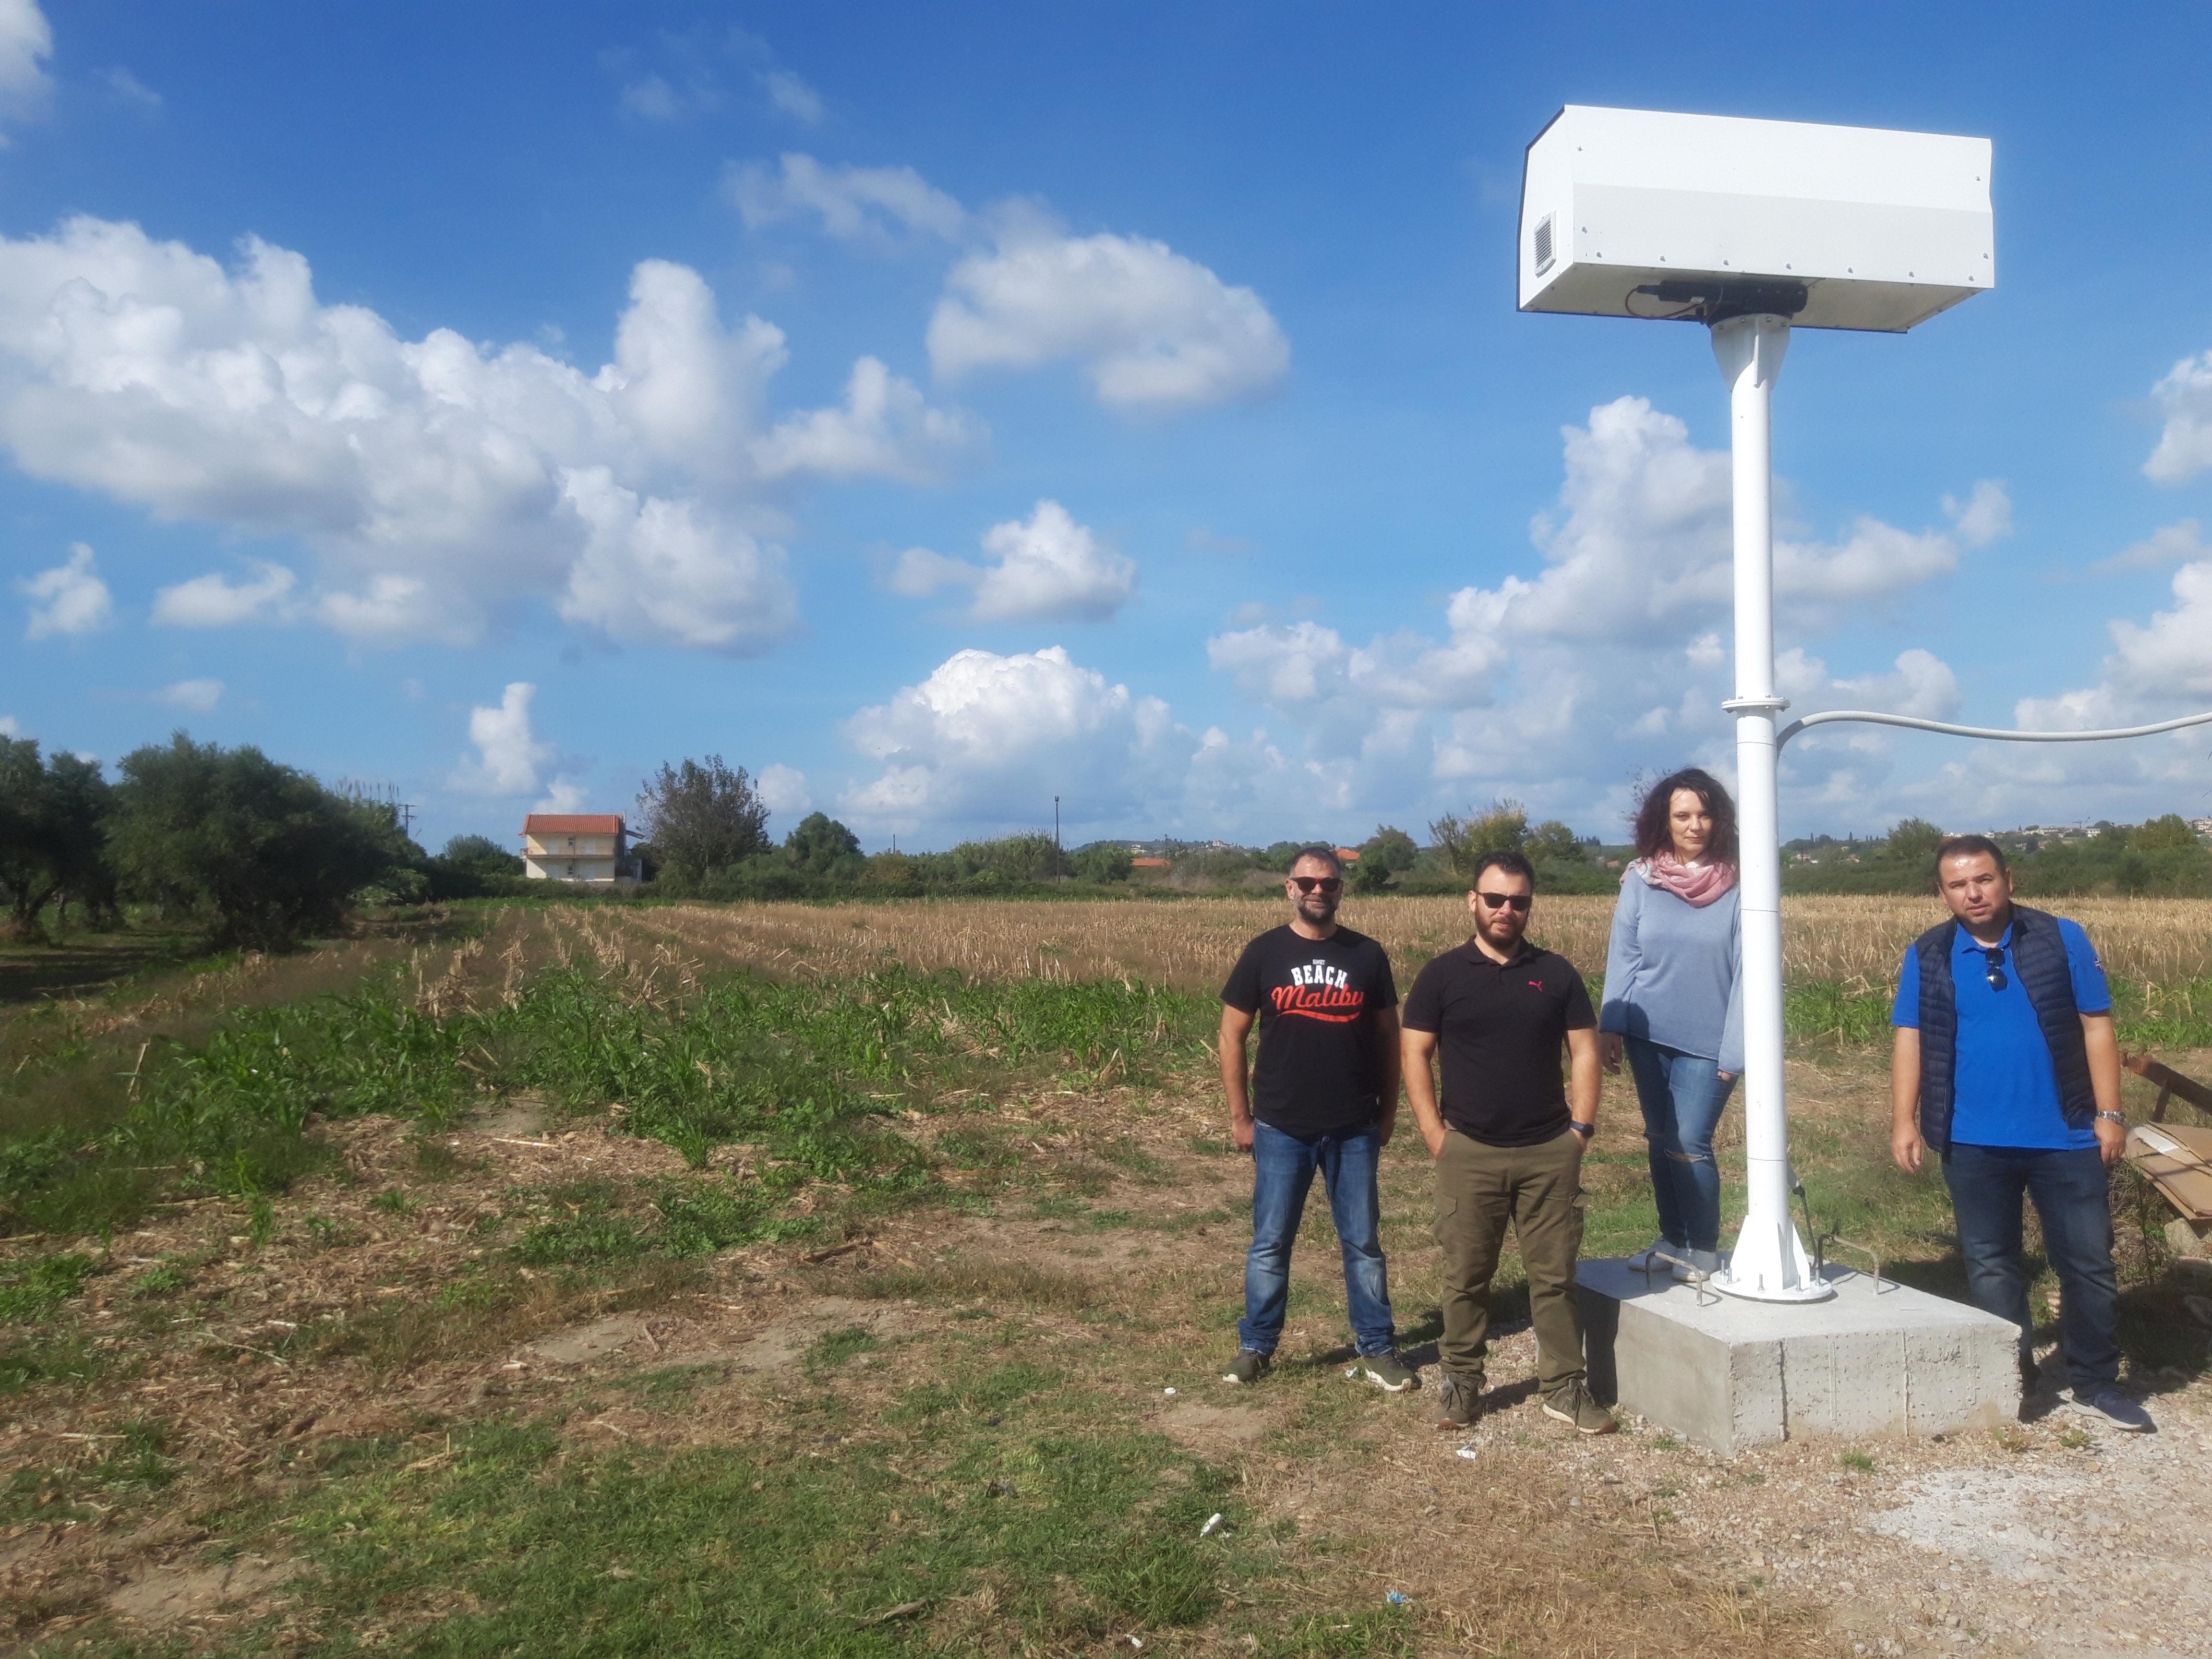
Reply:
x=2169, y=1082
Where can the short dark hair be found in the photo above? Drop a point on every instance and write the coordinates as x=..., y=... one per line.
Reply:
x=1326, y=854
x=1952, y=847
x=1511, y=862
x=1655, y=834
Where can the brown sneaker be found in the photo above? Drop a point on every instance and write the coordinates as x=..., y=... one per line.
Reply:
x=1459, y=1400
x=1572, y=1404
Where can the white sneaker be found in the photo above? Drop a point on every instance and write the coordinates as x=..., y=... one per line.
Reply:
x=1662, y=1245
x=1707, y=1263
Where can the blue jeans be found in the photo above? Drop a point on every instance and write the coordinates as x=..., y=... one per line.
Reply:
x=1682, y=1096
x=2069, y=1189
x=1282, y=1173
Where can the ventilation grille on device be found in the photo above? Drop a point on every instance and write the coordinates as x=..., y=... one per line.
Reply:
x=1543, y=244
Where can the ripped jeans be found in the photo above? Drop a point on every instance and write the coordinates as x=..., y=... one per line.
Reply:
x=1683, y=1097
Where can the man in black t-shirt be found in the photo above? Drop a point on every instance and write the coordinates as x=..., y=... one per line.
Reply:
x=1323, y=1097
x=1509, y=1138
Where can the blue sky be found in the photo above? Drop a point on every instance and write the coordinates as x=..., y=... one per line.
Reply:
x=936, y=410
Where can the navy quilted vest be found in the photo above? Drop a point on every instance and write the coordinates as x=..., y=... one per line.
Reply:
x=2038, y=957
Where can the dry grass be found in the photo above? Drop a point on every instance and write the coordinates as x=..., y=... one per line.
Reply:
x=1190, y=944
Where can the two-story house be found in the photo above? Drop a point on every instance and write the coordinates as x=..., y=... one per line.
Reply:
x=589, y=848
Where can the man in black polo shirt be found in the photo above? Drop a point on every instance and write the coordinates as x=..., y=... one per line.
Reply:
x=1509, y=1139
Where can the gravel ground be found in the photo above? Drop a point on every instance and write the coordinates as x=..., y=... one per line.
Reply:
x=2057, y=1538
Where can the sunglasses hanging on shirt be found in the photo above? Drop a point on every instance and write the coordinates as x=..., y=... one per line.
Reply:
x=1993, y=955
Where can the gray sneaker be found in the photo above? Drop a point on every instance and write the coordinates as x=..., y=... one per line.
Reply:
x=1249, y=1367
x=1459, y=1400
x=2114, y=1409
x=1662, y=1245
x=1387, y=1372
x=1572, y=1404
x=1705, y=1262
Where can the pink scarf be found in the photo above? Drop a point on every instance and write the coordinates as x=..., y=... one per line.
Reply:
x=1697, y=884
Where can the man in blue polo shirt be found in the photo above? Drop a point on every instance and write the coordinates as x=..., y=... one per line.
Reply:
x=2007, y=1067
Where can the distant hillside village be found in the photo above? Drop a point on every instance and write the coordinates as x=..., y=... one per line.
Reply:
x=261, y=855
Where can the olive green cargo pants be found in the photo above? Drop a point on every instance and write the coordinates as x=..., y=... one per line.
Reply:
x=1538, y=1190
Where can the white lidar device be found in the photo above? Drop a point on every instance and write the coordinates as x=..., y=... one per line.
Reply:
x=1636, y=213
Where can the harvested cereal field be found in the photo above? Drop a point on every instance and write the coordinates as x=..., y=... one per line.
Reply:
x=854, y=1280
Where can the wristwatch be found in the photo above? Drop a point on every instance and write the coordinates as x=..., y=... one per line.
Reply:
x=1585, y=1130
x=2120, y=1118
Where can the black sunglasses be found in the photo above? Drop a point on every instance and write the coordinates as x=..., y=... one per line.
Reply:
x=1515, y=902
x=1323, y=883
x=1993, y=955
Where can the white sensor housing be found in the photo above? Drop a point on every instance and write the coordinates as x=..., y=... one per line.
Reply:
x=1628, y=213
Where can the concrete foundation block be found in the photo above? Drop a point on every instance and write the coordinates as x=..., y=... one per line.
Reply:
x=1732, y=1374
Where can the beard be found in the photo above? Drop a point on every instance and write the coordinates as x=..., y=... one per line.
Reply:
x=1504, y=931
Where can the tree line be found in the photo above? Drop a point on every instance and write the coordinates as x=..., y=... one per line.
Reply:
x=2162, y=857
x=258, y=854
x=261, y=855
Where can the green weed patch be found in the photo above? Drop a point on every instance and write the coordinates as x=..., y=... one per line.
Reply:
x=28, y=1290
x=1013, y=1514
x=802, y=1072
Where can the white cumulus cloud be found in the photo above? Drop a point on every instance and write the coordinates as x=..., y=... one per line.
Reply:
x=993, y=738
x=563, y=794
x=2173, y=544
x=26, y=41
x=1046, y=568
x=213, y=601
x=128, y=90
x=508, y=754
x=1985, y=516
x=2157, y=669
x=69, y=598
x=200, y=696
x=668, y=571
x=442, y=483
x=783, y=790
x=882, y=205
x=2184, y=443
x=1612, y=655
x=1153, y=329
x=885, y=429
x=789, y=95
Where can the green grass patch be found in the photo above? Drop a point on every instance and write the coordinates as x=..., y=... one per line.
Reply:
x=34, y=1289
x=805, y=1073
x=1013, y=1508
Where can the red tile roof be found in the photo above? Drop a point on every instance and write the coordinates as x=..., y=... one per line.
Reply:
x=573, y=824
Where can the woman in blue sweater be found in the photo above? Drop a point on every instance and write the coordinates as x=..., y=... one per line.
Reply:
x=1673, y=1001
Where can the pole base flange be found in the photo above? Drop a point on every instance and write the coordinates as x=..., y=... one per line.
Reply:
x=1769, y=1264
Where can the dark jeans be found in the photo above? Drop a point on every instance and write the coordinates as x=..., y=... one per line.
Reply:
x=1282, y=1173
x=1683, y=1098
x=2069, y=1189
x=1481, y=1190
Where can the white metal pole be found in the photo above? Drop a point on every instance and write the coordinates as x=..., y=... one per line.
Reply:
x=1769, y=1262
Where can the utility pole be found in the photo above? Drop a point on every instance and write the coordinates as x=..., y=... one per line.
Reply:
x=1058, y=873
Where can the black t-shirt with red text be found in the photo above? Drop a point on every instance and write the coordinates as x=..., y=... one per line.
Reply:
x=1320, y=1068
